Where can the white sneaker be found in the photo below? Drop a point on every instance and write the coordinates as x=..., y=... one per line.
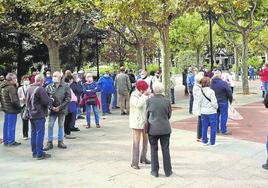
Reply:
x=216, y=144
x=25, y=138
x=205, y=144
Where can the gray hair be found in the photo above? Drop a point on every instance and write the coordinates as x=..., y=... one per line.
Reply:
x=10, y=76
x=158, y=88
x=217, y=74
x=38, y=78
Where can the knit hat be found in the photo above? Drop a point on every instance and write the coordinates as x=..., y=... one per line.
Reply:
x=142, y=85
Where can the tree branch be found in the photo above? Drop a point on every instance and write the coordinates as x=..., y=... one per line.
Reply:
x=122, y=35
x=77, y=29
x=261, y=27
x=251, y=17
x=225, y=29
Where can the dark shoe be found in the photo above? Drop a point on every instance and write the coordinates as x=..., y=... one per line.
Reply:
x=75, y=129
x=48, y=146
x=265, y=166
x=117, y=107
x=227, y=133
x=14, y=144
x=80, y=117
x=34, y=156
x=69, y=137
x=88, y=127
x=123, y=113
x=109, y=112
x=168, y=174
x=98, y=126
x=61, y=145
x=44, y=156
x=155, y=174
x=135, y=167
x=146, y=161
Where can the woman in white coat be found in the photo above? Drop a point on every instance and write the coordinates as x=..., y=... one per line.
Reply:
x=196, y=110
x=137, y=121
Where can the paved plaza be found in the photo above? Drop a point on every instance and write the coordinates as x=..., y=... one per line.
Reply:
x=101, y=157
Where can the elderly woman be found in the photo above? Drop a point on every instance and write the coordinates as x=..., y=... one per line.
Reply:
x=208, y=107
x=196, y=110
x=158, y=113
x=137, y=120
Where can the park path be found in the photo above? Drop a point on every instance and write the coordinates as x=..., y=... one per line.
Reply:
x=100, y=158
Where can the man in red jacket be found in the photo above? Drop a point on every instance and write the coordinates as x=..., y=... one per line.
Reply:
x=264, y=77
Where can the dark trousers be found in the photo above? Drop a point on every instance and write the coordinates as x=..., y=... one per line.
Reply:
x=105, y=102
x=69, y=122
x=172, y=91
x=199, y=128
x=25, y=127
x=164, y=141
x=186, y=91
x=37, y=136
x=191, y=101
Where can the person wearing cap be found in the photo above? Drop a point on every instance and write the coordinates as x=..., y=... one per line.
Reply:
x=196, y=110
x=158, y=113
x=137, y=122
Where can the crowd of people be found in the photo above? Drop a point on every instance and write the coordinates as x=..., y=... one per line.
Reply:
x=67, y=97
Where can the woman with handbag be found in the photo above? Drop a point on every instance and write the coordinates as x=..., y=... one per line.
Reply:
x=89, y=89
x=22, y=96
x=208, y=107
x=137, y=120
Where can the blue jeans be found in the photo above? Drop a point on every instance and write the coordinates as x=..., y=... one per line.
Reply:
x=51, y=121
x=114, y=101
x=222, y=117
x=105, y=102
x=211, y=120
x=9, y=128
x=172, y=91
x=37, y=136
x=96, y=114
x=265, y=87
x=267, y=150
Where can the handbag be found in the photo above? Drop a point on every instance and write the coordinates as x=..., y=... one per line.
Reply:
x=146, y=127
x=234, y=114
x=91, y=101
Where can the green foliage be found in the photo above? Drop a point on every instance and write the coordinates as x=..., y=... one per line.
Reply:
x=256, y=62
x=189, y=31
x=152, y=67
x=184, y=59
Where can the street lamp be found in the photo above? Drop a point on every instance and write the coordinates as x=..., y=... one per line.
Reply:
x=210, y=38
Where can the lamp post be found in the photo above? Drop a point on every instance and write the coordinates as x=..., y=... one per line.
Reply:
x=210, y=38
x=159, y=57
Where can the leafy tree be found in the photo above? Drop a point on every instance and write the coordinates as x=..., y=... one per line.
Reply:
x=242, y=17
x=189, y=32
x=53, y=22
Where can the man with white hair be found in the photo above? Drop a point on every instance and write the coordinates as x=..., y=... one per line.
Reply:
x=196, y=110
x=37, y=102
x=61, y=94
x=10, y=104
x=224, y=96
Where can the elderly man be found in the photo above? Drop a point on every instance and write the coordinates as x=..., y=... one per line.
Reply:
x=11, y=106
x=61, y=94
x=224, y=95
x=123, y=86
x=37, y=102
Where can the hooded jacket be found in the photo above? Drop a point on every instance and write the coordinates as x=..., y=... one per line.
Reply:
x=9, y=98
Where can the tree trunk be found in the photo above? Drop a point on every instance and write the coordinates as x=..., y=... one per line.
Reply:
x=20, y=67
x=245, y=65
x=236, y=63
x=198, y=58
x=54, y=55
x=266, y=56
x=80, y=55
x=164, y=36
x=140, y=56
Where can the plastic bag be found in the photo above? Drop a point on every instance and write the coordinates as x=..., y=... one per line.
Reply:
x=234, y=114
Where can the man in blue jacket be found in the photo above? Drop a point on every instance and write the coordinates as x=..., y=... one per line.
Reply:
x=190, y=80
x=106, y=86
x=224, y=95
